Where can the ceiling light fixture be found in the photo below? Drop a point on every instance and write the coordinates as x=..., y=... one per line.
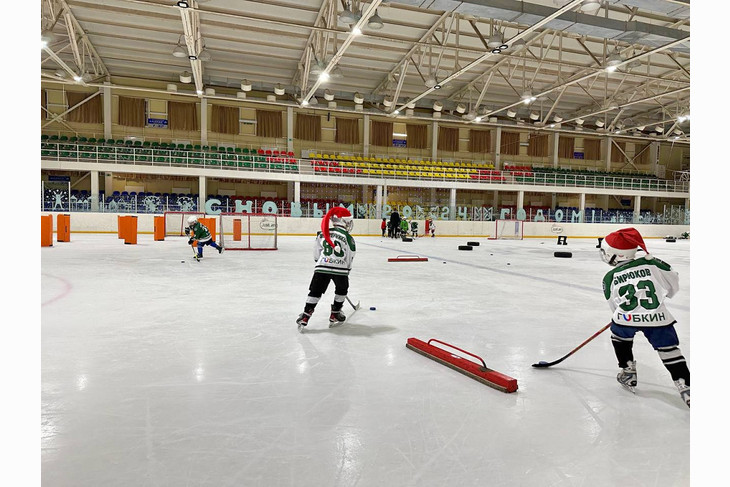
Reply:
x=590, y=6
x=437, y=86
x=358, y=98
x=183, y=4
x=245, y=85
x=204, y=55
x=375, y=22
x=186, y=77
x=328, y=95
x=46, y=38
x=599, y=123
x=324, y=77
x=279, y=90
x=495, y=40
x=438, y=106
x=356, y=31
x=461, y=108
x=347, y=17
x=179, y=50
x=534, y=116
x=511, y=113
x=613, y=61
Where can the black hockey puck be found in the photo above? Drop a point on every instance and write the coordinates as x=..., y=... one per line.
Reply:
x=407, y=239
x=671, y=239
x=465, y=247
x=473, y=244
x=565, y=255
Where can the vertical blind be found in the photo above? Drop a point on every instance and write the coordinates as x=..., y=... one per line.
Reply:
x=308, y=127
x=88, y=112
x=269, y=124
x=448, y=139
x=132, y=112
x=381, y=133
x=566, y=147
x=182, y=116
x=510, y=143
x=592, y=149
x=480, y=141
x=537, y=145
x=225, y=120
x=417, y=136
x=347, y=131
x=617, y=151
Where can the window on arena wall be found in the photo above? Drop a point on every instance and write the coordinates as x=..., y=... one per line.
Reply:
x=538, y=145
x=510, y=144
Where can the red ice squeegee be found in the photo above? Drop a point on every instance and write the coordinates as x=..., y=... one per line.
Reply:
x=408, y=258
x=482, y=373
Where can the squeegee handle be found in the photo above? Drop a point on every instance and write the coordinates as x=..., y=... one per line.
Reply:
x=457, y=348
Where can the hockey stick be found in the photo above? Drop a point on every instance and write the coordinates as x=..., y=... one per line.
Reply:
x=543, y=364
x=356, y=306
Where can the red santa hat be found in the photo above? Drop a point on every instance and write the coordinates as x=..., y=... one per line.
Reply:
x=338, y=211
x=625, y=240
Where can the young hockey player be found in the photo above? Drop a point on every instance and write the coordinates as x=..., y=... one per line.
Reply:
x=404, y=228
x=414, y=228
x=383, y=226
x=197, y=231
x=636, y=289
x=334, y=250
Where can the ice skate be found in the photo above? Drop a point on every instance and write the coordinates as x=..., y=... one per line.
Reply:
x=198, y=257
x=220, y=250
x=627, y=376
x=683, y=390
x=337, y=317
x=302, y=321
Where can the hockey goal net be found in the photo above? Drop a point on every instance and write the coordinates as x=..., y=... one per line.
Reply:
x=248, y=231
x=508, y=230
x=176, y=221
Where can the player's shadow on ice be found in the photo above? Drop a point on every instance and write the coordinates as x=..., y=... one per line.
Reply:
x=352, y=329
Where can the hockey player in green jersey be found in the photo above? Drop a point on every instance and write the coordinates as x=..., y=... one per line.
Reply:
x=636, y=289
x=200, y=233
x=334, y=251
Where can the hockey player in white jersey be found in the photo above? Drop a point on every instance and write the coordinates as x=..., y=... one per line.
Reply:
x=334, y=251
x=636, y=289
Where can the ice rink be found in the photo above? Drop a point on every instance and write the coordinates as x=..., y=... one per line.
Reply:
x=157, y=370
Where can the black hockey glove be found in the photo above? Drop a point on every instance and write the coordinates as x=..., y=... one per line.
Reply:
x=190, y=241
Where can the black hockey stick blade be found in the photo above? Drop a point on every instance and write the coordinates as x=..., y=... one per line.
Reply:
x=542, y=364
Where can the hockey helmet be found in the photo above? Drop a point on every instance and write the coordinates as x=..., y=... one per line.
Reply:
x=192, y=220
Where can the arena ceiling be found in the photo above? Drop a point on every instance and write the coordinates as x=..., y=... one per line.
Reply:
x=604, y=66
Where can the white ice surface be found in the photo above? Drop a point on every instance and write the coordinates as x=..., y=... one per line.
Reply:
x=161, y=371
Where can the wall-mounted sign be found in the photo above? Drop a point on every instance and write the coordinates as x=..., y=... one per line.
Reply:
x=157, y=123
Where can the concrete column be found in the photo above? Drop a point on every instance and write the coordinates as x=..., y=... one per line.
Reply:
x=556, y=143
x=637, y=208
x=609, y=147
x=203, y=121
x=452, y=203
x=495, y=204
x=297, y=191
x=366, y=135
x=582, y=206
x=107, y=100
x=379, y=200
x=94, y=190
x=654, y=156
x=520, y=200
x=434, y=140
x=497, y=149
x=108, y=183
x=290, y=130
x=365, y=193
x=202, y=193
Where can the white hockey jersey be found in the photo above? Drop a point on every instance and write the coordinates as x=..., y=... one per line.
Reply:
x=337, y=260
x=636, y=291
